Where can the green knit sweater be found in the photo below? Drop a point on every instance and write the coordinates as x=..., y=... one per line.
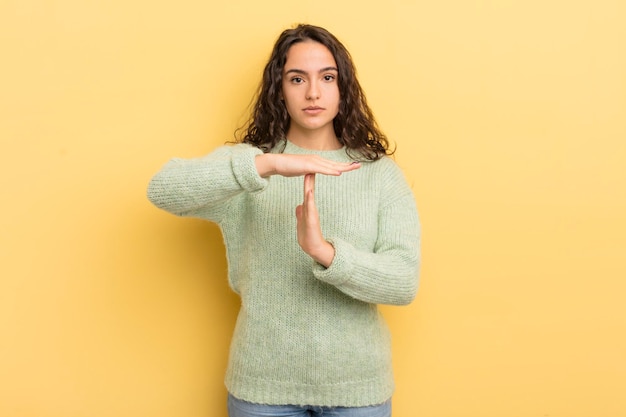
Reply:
x=305, y=334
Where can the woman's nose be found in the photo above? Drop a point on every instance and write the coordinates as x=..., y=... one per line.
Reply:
x=313, y=92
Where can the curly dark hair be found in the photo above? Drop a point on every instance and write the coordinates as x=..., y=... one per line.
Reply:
x=354, y=125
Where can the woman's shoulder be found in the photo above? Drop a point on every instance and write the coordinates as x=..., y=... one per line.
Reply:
x=384, y=165
x=388, y=174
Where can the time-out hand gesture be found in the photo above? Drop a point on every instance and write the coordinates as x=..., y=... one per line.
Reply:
x=289, y=165
x=310, y=236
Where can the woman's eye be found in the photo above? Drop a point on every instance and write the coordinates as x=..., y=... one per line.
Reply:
x=297, y=80
x=329, y=77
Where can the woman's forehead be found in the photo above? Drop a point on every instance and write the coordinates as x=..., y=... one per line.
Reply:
x=309, y=56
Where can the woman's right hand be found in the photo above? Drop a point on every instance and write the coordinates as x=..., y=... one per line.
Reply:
x=289, y=165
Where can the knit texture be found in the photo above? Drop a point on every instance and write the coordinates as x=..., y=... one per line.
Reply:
x=305, y=334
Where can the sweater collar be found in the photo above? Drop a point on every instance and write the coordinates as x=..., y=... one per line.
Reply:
x=289, y=147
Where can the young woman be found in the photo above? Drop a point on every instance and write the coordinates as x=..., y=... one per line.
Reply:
x=320, y=226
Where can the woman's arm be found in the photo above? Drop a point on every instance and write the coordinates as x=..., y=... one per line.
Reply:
x=189, y=187
x=388, y=274
x=309, y=230
x=204, y=186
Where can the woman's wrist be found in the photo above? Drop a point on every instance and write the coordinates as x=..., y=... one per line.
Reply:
x=324, y=254
x=265, y=164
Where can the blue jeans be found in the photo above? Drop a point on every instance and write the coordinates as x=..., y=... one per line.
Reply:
x=240, y=408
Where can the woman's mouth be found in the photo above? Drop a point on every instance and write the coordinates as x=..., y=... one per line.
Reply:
x=313, y=110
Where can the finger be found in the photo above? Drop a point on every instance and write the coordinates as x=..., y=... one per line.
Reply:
x=353, y=165
x=342, y=167
x=311, y=193
x=305, y=184
x=329, y=167
x=311, y=180
x=309, y=183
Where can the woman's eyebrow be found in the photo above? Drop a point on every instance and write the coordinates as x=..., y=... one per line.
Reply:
x=299, y=71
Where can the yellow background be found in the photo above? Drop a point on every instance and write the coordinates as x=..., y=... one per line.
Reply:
x=510, y=121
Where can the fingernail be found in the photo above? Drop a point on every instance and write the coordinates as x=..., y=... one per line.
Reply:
x=355, y=162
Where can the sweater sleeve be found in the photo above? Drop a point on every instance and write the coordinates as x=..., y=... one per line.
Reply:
x=203, y=187
x=389, y=274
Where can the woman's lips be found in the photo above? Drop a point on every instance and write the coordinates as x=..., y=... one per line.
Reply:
x=313, y=110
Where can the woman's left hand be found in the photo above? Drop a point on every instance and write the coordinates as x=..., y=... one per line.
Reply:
x=310, y=236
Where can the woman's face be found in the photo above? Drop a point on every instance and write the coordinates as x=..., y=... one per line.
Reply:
x=310, y=88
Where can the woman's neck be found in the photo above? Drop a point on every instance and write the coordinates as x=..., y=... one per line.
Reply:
x=314, y=140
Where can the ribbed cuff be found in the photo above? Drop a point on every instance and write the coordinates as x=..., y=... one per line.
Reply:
x=244, y=169
x=340, y=269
